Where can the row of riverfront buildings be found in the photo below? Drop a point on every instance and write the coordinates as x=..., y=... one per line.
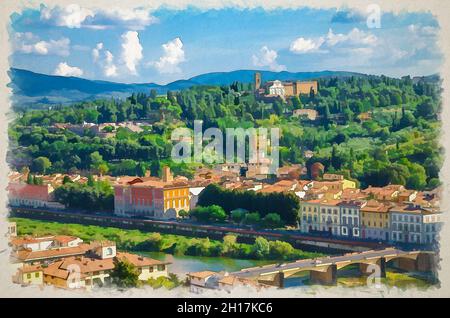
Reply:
x=331, y=205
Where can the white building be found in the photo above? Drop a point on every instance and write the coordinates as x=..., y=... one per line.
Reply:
x=44, y=243
x=330, y=219
x=320, y=215
x=199, y=281
x=12, y=229
x=350, y=217
x=277, y=88
x=413, y=224
x=194, y=194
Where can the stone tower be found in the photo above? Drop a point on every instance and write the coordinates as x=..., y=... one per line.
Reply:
x=257, y=80
x=166, y=174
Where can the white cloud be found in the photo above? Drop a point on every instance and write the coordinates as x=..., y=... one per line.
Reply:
x=96, y=51
x=63, y=69
x=302, y=45
x=422, y=30
x=172, y=57
x=136, y=19
x=29, y=43
x=109, y=69
x=75, y=16
x=107, y=62
x=267, y=58
x=355, y=37
x=355, y=40
x=109, y=57
x=131, y=50
x=71, y=16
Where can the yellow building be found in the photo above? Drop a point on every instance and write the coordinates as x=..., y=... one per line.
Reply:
x=339, y=178
x=348, y=184
x=375, y=220
x=147, y=267
x=176, y=198
x=310, y=215
x=29, y=275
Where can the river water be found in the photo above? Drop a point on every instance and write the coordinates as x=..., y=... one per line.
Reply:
x=182, y=264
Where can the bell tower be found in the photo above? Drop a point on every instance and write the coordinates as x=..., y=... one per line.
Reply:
x=257, y=80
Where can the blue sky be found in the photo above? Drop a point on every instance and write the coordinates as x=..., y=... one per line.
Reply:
x=163, y=45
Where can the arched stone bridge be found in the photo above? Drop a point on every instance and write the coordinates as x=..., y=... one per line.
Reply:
x=323, y=270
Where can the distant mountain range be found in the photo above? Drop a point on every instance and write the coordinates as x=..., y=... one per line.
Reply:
x=36, y=90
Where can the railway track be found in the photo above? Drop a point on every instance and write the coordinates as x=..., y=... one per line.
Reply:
x=195, y=229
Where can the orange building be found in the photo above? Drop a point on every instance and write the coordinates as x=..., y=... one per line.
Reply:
x=284, y=89
x=150, y=196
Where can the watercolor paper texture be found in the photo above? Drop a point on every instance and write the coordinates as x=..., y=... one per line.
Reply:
x=224, y=149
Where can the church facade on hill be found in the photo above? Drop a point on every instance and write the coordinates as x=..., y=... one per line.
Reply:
x=275, y=89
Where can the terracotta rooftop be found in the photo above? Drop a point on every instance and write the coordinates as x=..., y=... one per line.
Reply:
x=31, y=268
x=22, y=240
x=201, y=275
x=150, y=182
x=86, y=265
x=376, y=206
x=27, y=255
x=273, y=188
x=234, y=280
x=29, y=191
x=139, y=261
x=414, y=209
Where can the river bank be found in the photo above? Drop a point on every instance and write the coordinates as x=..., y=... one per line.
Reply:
x=157, y=245
x=350, y=277
x=140, y=241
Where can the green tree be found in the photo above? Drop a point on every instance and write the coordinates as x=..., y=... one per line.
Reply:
x=261, y=248
x=124, y=274
x=41, y=165
x=229, y=244
x=155, y=241
x=238, y=215
x=183, y=214
x=66, y=179
x=30, y=178
x=272, y=220
x=252, y=218
x=212, y=213
x=427, y=109
x=281, y=250
x=296, y=102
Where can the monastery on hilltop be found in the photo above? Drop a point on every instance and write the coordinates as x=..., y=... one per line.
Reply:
x=274, y=89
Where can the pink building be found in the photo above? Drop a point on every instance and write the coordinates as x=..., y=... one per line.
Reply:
x=32, y=195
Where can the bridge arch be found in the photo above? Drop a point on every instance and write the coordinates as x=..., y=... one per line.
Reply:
x=415, y=261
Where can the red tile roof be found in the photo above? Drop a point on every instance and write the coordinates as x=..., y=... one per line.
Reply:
x=29, y=191
x=139, y=261
x=27, y=255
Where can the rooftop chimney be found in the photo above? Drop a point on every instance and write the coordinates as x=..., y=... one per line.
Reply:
x=166, y=174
